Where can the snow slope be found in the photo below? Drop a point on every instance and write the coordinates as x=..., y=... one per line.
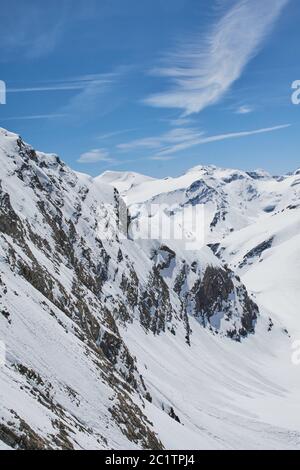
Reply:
x=266, y=255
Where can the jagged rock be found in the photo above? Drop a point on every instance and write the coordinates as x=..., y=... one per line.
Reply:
x=257, y=251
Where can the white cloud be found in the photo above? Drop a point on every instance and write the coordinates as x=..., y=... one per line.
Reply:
x=34, y=117
x=146, y=143
x=180, y=122
x=245, y=109
x=95, y=98
x=77, y=83
x=161, y=158
x=174, y=136
x=94, y=156
x=88, y=99
x=216, y=138
x=204, y=70
x=115, y=133
x=180, y=139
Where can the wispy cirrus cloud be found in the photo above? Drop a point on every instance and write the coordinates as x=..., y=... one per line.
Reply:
x=245, y=109
x=215, y=138
x=91, y=95
x=34, y=117
x=180, y=122
x=162, y=158
x=75, y=83
x=202, y=71
x=95, y=156
x=181, y=139
x=89, y=102
x=95, y=98
x=109, y=135
x=102, y=155
x=86, y=100
x=173, y=137
x=32, y=29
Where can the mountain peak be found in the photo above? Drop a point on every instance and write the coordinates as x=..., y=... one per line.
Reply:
x=7, y=134
x=202, y=168
x=259, y=174
x=122, y=180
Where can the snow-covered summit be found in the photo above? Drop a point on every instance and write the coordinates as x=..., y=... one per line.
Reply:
x=123, y=181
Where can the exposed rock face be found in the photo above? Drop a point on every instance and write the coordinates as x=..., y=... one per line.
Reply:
x=69, y=281
x=155, y=308
x=212, y=291
x=217, y=297
x=257, y=251
x=214, y=295
x=9, y=222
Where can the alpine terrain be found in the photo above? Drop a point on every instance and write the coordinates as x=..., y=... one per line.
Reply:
x=115, y=341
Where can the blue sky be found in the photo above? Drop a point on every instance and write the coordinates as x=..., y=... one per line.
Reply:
x=154, y=86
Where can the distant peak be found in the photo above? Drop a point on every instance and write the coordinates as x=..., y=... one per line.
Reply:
x=259, y=174
x=6, y=133
x=118, y=174
x=121, y=176
x=201, y=168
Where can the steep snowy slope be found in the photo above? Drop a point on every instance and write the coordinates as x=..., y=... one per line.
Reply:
x=69, y=380
x=267, y=257
x=113, y=342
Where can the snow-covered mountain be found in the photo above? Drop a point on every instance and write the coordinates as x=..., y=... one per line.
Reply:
x=124, y=343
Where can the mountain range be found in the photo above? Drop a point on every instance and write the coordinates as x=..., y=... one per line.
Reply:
x=119, y=341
